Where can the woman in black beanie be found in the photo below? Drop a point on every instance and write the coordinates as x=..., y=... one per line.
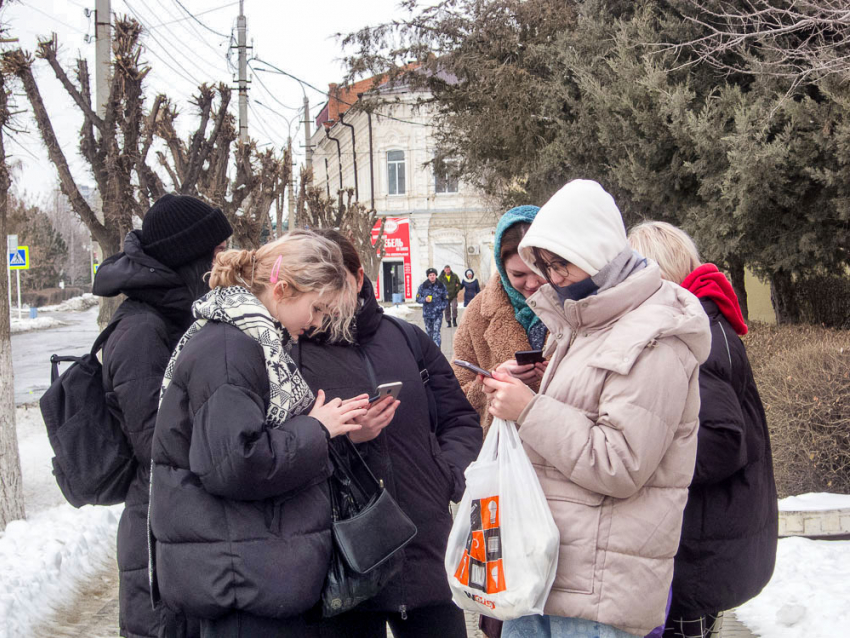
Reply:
x=161, y=272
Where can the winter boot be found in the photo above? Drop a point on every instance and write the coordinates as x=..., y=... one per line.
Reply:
x=454, y=322
x=448, y=323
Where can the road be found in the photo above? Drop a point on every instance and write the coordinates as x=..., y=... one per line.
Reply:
x=31, y=351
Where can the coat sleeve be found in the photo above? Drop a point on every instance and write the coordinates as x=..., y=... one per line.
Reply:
x=722, y=444
x=420, y=298
x=464, y=349
x=616, y=453
x=237, y=456
x=136, y=364
x=458, y=428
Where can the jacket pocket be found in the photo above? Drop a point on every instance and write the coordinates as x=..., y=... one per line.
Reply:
x=577, y=513
x=443, y=466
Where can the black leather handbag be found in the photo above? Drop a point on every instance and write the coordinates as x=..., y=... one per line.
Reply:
x=369, y=529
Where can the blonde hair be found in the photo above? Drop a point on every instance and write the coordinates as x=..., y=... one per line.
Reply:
x=670, y=247
x=309, y=263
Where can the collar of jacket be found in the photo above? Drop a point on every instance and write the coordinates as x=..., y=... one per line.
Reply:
x=369, y=314
x=633, y=323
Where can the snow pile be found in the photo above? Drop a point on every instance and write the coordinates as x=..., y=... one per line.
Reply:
x=39, y=323
x=44, y=559
x=807, y=595
x=74, y=304
x=817, y=502
x=402, y=312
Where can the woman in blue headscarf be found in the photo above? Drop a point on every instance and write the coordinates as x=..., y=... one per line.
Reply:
x=498, y=322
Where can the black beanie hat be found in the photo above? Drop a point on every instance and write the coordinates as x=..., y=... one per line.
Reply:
x=178, y=229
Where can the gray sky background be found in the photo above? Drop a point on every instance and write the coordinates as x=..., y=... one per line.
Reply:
x=294, y=35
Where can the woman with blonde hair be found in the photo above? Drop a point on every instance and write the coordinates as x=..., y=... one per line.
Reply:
x=240, y=516
x=728, y=545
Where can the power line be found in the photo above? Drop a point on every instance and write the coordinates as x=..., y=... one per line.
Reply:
x=325, y=93
x=191, y=15
x=271, y=95
x=56, y=19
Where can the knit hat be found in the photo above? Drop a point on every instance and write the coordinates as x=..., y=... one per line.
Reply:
x=178, y=229
x=520, y=214
x=430, y=270
x=580, y=223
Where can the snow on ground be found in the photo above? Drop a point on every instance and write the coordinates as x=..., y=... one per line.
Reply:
x=816, y=502
x=73, y=304
x=44, y=559
x=402, y=312
x=39, y=323
x=807, y=596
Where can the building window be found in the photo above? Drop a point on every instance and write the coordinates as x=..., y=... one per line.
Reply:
x=395, y=173
x=446, y=175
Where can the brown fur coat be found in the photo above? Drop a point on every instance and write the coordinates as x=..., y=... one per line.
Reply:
x=488, y=335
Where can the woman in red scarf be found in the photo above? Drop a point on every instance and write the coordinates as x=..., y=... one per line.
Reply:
x=728, y=545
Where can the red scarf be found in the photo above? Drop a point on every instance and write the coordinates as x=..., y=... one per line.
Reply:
x=708, y=282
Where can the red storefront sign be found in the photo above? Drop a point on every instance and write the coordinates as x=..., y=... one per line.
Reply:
x=396, y=244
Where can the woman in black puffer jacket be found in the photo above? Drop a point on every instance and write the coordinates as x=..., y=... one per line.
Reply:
x=422, y=468
x=729, y=533
x=240, y=515
x=161, y=272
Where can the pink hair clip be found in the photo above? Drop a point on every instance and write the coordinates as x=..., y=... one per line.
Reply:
x=276, y=270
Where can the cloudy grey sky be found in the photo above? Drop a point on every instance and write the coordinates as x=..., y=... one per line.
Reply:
x=294, y=35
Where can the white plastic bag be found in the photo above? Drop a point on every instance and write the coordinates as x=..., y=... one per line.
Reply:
x=502, y=552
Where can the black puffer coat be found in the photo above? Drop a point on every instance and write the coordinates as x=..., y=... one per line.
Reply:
x=422, y=470
x=240, y=512
x=730, y=527
x=150, y=323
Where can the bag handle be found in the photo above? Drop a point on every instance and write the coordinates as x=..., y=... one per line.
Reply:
x=343, y=465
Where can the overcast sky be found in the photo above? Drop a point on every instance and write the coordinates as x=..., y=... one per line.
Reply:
x=294, y=35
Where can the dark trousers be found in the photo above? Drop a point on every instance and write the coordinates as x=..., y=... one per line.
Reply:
x=238, y=624
x=439, y=621
x=451, y=309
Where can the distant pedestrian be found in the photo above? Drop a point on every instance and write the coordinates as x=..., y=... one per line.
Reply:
x=161, y=272
x=240, y=513
x=432, y=295
x=728, y=547
x=470, y=287
x=453, y=286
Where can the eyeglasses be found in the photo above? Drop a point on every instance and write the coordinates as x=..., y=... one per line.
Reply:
x=559, y=266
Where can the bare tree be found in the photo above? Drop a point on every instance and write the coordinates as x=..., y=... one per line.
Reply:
x=11, y=489
x=346, y=215
x=802, y=40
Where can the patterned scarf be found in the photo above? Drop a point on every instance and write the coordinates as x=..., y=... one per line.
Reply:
x=288, y=393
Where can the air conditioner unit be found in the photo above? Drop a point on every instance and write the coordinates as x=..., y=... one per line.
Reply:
x=473, y=250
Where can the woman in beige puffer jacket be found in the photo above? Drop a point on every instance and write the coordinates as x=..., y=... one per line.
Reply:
x=612, y=433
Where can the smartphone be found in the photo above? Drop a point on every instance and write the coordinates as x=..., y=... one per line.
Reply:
x=386, y=390
x=474, y=368
x=527, y=357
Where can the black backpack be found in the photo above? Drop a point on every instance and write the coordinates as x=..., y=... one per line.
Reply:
x=94, y=462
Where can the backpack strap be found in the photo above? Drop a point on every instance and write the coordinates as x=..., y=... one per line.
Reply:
x=56, y=359
x=415, y=347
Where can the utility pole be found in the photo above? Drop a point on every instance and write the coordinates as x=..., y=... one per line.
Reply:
x=308, y=149
x=291, y=186
x=102, y=69
x=241, y=42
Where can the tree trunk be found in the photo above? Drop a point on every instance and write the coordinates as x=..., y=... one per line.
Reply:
x=783, y=298
x=11, y=485
x=736, y=271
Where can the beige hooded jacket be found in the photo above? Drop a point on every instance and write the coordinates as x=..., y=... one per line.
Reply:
x=612, y=435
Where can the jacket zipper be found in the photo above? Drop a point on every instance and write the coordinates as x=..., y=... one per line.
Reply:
x=402, y=609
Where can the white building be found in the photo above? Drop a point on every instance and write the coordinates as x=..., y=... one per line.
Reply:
x=433, y=219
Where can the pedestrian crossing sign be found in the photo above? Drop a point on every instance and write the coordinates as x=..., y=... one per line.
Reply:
x=20, y=259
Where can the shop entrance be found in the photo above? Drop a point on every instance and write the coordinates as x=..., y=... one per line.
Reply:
x=392, y=277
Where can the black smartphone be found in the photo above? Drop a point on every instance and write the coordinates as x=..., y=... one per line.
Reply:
x=474, y=368
x=527, y=357
x=386, y=390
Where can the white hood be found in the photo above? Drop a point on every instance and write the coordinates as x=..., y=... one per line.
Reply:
x=580, y=223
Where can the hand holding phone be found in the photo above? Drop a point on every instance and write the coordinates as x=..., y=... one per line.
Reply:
x=474, y=368
x=528, y=357
x=428, y=298
x=386, y=390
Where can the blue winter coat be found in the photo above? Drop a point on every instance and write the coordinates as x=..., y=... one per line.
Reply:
x=439, y=298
